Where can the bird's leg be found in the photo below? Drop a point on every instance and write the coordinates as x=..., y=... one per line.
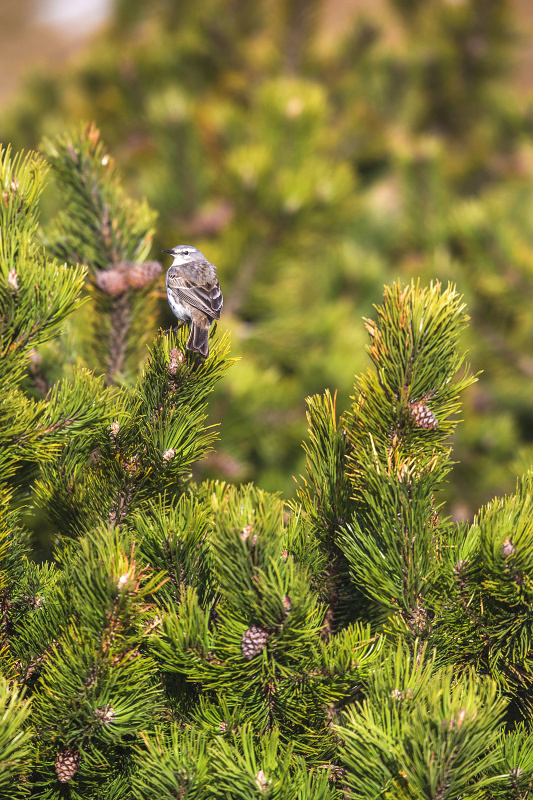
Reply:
x=176, y=328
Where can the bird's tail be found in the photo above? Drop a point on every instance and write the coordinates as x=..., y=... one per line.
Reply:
x=198, y=341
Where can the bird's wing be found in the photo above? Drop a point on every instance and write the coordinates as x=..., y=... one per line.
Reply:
x=206, y=297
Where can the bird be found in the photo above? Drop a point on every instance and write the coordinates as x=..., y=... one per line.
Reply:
x=194, y=294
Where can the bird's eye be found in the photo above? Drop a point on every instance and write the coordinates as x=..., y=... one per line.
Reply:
x=186, y=253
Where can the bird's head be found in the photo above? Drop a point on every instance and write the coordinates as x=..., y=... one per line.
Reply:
x=184, y=254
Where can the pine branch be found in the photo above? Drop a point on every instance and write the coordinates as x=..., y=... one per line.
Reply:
x=104, y=229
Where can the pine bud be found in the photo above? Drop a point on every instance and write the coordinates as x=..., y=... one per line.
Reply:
x=253, y=642
x=423, y=417
x=261, y=782
x=246, y=531
x=114, y=429
x=66, y=764
x=105, y=715
x=13, y=280
x=168, y=455
x=123, y=581
x=287, y=605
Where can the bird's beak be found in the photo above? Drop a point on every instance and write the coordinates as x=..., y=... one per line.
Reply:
x=168, y=251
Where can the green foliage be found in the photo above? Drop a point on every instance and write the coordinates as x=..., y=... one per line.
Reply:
x=312, y=168
x=14, y=740
x=207, y=640
x=36, y=296
x=144, y=440
x=101, y=227
x=238, y=767
x=421, y=733
x=490, y=595
x=259, y=648
x=399, y=435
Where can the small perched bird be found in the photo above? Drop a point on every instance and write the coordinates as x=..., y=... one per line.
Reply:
x=193, y=293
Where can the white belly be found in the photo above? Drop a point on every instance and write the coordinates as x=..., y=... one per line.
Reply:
x=177, y=307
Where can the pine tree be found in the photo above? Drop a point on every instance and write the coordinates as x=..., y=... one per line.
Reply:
x=312, y=173
x=206, y=640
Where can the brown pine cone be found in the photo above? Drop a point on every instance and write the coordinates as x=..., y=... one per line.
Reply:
x=423, y=417
x=140, y=275
x=253, y=642
x=67, y=764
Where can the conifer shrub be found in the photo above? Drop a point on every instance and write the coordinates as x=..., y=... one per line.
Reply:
x=207, y=640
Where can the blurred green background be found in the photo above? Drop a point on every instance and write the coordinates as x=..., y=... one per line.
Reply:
x=314, y=151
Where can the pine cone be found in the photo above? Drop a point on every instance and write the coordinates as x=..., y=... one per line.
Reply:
x=423, y=417
x=253, y=641
x=176, y=358
x=508, y=548
x=140, y=275
x=112, y=281
x=67, y=764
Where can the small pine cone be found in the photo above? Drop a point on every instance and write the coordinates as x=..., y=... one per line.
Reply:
x=140, y=275
x=423, y=417
x=112, y=281
x=67, y=764
x=261, y=782
x=253, y=642
x=508, y=548
x=176, y=358
x=336, y=773
x=246, y=531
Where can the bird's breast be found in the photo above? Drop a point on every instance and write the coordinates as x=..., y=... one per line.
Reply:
x=178, y=309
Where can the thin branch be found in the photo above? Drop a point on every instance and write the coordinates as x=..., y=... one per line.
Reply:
x=118, y=336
